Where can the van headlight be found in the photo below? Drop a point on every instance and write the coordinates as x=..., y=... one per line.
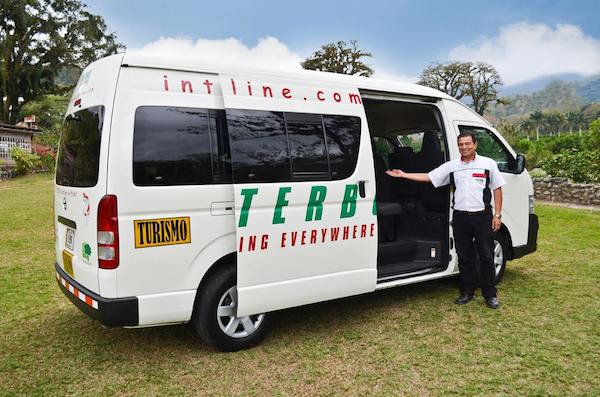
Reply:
x=531, y=204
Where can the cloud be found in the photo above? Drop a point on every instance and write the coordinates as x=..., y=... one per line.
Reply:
x=525, y=51
x=382, y=73
x=269, y=52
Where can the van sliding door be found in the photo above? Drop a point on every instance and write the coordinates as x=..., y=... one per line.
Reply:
x=304, y=192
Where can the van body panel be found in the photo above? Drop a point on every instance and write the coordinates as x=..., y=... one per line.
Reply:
x=165, y=268
x=171, y=307
x=76, y=207
x=294, y=260
x=295, y=292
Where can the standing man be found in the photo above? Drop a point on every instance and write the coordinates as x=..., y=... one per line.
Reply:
x=473, y=178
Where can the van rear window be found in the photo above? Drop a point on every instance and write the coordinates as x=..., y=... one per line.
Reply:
x=79, y=150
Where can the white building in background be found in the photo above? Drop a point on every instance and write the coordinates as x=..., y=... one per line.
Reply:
x=12, y=136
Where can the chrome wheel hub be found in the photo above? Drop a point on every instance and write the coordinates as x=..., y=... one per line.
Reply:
x=498, y=257
x=231, y=325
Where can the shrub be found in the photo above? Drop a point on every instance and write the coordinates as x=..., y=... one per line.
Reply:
x=594, y=141
x=24, y=162
x=577, y=166
x=48, y=162
x=538, y=173
x=557, y=144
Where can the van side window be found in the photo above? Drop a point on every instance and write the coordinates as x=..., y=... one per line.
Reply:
x=259, y=146
x=307, y=146
x=343, y=142
x=489, y=146
x=219, y=142
x=179, y=146
x=281, y=147
x=413, y=140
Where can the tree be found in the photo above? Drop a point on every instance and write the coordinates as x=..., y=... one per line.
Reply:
x=49, y=111
x=451, y=78
x=482, y=86
x=574, y=120
x=479, y=81
x=40, y=37
x=339, y=58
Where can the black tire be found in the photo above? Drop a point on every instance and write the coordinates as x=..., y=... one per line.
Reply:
x=218, y=289
x=500, y=241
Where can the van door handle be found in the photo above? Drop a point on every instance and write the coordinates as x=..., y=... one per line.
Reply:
x=361, y=189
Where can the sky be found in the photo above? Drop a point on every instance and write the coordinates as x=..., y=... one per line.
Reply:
x=524, y=40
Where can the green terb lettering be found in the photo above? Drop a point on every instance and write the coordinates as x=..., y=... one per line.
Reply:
x=248, y=194
x=314, y=210
x=374, y=209
x=349, y=203
x=281, y=202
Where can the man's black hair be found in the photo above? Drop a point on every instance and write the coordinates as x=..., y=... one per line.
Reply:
x=465, y=134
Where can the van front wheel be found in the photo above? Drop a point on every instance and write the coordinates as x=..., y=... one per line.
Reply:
x=215, y=315
x=500, y=251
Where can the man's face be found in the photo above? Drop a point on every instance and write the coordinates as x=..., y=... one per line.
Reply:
x=466, y=147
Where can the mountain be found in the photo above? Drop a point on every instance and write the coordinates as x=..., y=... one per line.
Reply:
x=559, y=95
x=538, y=84
x=589, y=89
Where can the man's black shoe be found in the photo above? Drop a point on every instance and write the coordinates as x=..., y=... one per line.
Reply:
x=492, y=303
x=463, y=299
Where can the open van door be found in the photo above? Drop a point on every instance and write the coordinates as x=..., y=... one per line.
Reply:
x=304, y=192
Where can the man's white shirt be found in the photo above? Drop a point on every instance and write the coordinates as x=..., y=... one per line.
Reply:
x=469, y=180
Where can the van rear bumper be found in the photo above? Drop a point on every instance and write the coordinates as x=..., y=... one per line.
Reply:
x=531, y=245
x=110, y=312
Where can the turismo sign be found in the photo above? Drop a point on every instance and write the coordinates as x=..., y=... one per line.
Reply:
x=162, y=231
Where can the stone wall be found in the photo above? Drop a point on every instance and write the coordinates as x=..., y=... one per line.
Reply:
x=562, y=191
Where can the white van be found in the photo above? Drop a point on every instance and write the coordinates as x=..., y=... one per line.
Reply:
x=193, y=193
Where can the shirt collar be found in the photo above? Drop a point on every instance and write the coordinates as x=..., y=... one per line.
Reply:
x=464, y=162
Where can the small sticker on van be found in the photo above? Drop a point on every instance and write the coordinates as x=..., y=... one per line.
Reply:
x=162, y=231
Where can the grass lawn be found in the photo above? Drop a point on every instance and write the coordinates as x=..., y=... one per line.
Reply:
x=545, y=339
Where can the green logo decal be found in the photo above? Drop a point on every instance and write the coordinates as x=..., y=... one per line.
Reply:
x=86, y=251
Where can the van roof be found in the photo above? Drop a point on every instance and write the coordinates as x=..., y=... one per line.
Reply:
x=363, y=83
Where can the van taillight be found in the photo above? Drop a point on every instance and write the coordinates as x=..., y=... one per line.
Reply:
x=108, y=233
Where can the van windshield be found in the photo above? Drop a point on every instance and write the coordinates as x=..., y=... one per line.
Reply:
x=79, y=150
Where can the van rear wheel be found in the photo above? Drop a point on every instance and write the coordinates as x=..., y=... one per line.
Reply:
x=215, y=315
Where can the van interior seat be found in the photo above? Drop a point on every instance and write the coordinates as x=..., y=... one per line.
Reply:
x=427, y=159
x=403, y=158
x=388, y=206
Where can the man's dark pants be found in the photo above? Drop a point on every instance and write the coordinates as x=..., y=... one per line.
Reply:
x=473, y=233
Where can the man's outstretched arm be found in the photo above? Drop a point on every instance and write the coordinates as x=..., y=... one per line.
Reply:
x=413, y=176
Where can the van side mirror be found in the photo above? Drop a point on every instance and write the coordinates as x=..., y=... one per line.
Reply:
x=520, y=163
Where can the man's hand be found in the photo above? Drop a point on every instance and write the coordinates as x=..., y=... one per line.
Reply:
x=496, y=223
x=395, y=173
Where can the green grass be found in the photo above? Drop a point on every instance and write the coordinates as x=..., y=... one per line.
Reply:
x=545, y=340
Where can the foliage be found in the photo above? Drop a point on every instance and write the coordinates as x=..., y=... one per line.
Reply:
x=575, y=165
x=451, y=78
x=38, y=38
x=478, y=81
x=48, y=162
x=49, y=111
x=24, y=162
x=546, y=147
x=538, y=173
x=339, y=58
x=595, y=133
